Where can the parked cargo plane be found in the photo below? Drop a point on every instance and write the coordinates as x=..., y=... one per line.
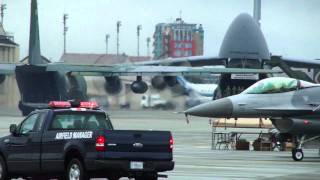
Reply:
x=41, y=81
x=243, y=46
x=292, y=105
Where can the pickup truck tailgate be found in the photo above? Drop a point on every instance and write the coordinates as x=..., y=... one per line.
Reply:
x=138, y=145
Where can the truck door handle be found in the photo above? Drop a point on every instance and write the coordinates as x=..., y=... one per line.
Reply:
x=242, y=104
x=16, y=145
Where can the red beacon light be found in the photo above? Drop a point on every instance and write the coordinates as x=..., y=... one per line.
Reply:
x=59, y=104
x=68, y=104
x=89, y=105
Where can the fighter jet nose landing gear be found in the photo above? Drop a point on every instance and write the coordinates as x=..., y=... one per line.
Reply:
x=297, y=154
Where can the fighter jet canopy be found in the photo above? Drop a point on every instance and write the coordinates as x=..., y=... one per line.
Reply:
x=277, y=85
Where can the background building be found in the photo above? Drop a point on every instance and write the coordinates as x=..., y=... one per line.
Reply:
x=177, y=39
x=9, y=53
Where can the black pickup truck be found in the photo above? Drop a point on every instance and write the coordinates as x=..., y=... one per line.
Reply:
x=77, y=141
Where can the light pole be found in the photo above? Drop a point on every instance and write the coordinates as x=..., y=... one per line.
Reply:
x=148, y=46
x=107, y=42
x=65, y=30
x=118, y=31
x=139, y=27
x=2, y=7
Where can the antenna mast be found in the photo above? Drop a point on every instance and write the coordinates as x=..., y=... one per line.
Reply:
x=65, y=30
x=2, y=7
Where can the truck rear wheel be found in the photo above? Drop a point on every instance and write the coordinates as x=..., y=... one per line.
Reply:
x=153, y=176
x=75, y=170
x=3, y=169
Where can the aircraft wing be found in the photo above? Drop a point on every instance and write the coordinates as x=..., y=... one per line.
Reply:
x=298, y=63
x=193, y=61
x=145, y=70
x=7, y=69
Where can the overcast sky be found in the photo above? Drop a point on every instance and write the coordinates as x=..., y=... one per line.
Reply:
x=291, y=27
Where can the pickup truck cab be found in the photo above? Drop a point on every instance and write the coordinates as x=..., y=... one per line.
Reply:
x=77, y=141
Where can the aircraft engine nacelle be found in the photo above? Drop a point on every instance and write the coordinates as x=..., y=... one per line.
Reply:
x=171, y=80
x=139, y=86
x=2, y=78
x=297, y=126
x=317, y=76
x=158, y=83
x=113, y=85
x=77, y=88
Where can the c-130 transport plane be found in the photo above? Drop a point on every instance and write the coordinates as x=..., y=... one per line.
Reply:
x=41, y=81
x=292, y=105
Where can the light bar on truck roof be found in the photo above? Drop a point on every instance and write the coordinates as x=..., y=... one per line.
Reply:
x=59, y=104
x=89, y=104
x=67, y=104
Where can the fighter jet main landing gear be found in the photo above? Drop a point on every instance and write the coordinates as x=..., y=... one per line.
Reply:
x=297, y=153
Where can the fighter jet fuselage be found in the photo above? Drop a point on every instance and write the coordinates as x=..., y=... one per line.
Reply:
x=292, y=105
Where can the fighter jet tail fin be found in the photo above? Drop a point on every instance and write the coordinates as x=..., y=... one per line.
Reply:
x=34, y=39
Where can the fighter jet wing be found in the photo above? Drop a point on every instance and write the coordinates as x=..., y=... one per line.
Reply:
x=144, y=70
x=193, y=61
x=7, y=69
x=298, y=63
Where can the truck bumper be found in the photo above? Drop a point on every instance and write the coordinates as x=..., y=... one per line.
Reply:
x=124, y=166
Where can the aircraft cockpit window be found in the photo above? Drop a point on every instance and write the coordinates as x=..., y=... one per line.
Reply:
x=273, y=85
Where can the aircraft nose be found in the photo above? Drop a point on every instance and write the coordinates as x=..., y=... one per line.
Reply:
x=220, y=108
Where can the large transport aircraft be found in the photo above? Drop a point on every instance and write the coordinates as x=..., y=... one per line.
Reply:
x=243, y=46
x=41, y=81
x=292, y=105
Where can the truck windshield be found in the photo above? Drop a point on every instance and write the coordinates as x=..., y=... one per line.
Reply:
x=80, y=121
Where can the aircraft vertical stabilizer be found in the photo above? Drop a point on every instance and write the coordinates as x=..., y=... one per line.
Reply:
x=257, y=11
x=34, y=39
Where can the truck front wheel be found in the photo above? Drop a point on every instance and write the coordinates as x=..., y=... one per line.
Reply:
x=152, y=176
x=75, y=170
x=3, y=169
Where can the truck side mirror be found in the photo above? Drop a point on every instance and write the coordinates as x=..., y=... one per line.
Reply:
x=13, y=129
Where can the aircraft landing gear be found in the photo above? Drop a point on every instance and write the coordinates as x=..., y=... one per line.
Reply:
x=297, y=153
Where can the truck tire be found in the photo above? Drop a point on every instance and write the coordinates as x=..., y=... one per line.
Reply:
x=3, y=169
x=75, y=170
x=147, y=177
x=113, y=178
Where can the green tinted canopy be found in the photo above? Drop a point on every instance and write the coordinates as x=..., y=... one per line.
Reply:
x=273, y=85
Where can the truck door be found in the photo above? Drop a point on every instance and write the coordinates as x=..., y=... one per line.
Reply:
x=24, y=147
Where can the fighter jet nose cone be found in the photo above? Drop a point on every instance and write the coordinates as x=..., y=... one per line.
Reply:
x=219, y=109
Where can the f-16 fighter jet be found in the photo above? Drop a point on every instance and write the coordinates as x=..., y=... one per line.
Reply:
x=292, y=105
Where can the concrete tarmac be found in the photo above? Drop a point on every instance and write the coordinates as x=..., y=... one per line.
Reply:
x=193, y=155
